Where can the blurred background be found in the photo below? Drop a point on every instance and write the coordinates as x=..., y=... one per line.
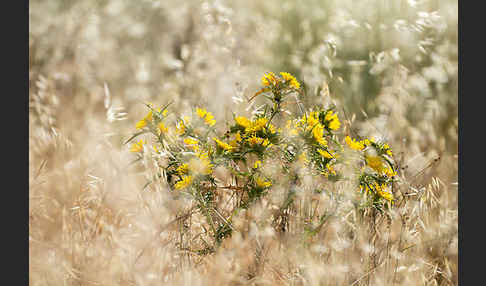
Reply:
x=393, y=64
x=390, y=66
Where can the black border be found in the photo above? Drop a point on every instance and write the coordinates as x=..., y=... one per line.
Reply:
x=15, y=131
x=471, y=110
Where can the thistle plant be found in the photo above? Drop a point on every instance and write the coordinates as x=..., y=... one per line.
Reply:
x=256, y=151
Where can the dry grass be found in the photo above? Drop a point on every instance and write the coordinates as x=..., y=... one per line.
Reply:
x=91, y=222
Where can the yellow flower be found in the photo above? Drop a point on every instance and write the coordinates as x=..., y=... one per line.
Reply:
x=325, y=153
x=389, y=172
x=379, y=165
x=287, y=76
x=237, y=139
x=148, y=117
x=162, y=128
x=257, y=140
x=200, y=166
x=353, y=144
x=375, y=162
x=291, y=79
x=382, y=192
x=262, y=183
x=330, y=171
x=257, y=164
x=142, y=123
x=254, y=140
x=269, y=79
x=164, y=113
x=182, y=169
x=257, y=125
x=207, y=116
x=137, y=147
x=387, y=149
x=318, y=133
x=181, y=125
x=203, y=155
x=365, y=188
x=322, y=141
x=192, y=143
x=333, y=119
x=271, y=128
x=223, y=145
x=209, y=119
x=243, y=121
x=183, y=183
x=201, y=112
x=309, y=121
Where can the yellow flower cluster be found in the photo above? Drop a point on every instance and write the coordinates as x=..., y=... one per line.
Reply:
x=243, y=121
x=270, y=79
x=353, y=144
x=200, y=165
x=378, y=164
x=183, y=183
x=137, y=147
x=381, y=190
x=149, y=117
x=311, y=123
x=197, y=165
x=223, y=145
x=387, y=150
x=291, y=79
x=207, y=116
x=257, y=125
x=332, y=120
x=329, y=170
x=251, y=129
x=181, y=125
x=253, y=140
x=162, y=128
x=237, y=139
x=142, y=123
x=309, y=138
x=193, y=143
x=182, y=169
x=257, y=164
x=262, y=183
x=326, y=154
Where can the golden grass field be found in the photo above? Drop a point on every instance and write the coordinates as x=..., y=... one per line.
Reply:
x=98, y=217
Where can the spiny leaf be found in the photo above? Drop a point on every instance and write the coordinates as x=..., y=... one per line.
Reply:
x=135, y=135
